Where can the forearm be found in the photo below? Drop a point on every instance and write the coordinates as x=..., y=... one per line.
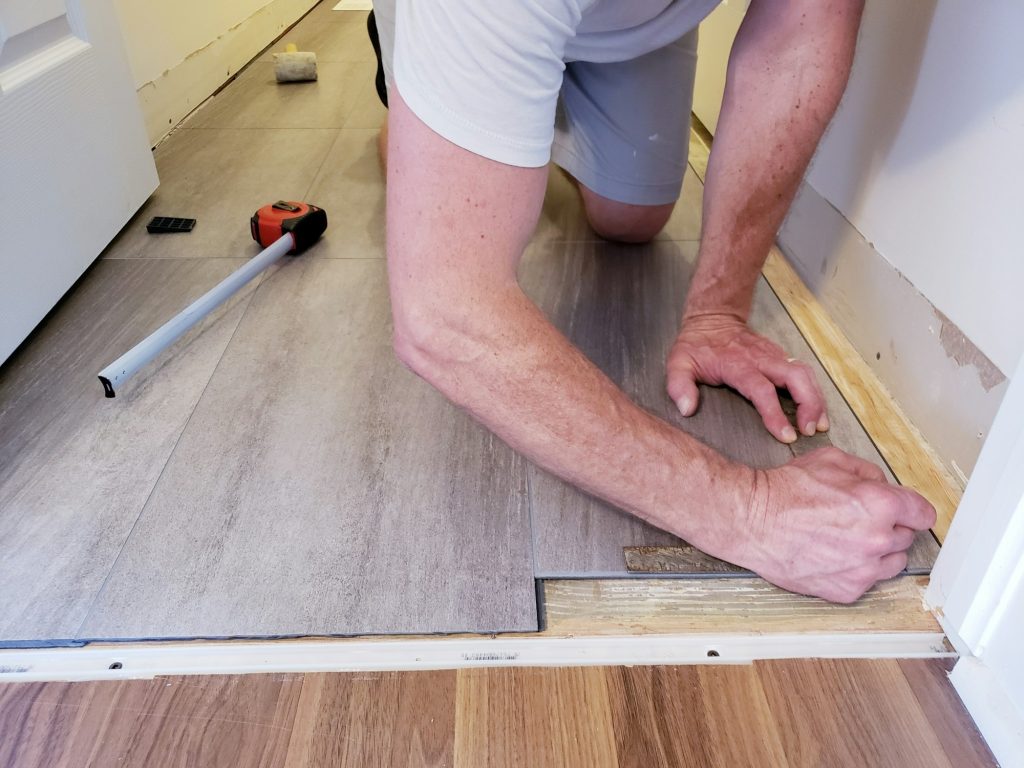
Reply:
x=457, y=225
x=515, y=373
x=787, y=71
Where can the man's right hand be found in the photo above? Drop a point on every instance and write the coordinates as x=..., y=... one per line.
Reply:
x=828, y=524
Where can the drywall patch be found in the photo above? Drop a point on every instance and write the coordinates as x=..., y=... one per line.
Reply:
x=961, y=350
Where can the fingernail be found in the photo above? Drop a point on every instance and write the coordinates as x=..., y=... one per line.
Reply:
x=685, y=405
x=788, y=435
x=823, y=423
x=810, y=428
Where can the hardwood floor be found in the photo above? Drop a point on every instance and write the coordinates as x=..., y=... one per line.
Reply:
x=775, y=713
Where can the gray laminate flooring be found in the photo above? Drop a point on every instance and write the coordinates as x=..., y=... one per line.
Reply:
x=278, y=472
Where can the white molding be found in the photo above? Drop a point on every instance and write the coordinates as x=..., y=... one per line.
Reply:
x=167, y=100
x=146, y=660
x=995, y=715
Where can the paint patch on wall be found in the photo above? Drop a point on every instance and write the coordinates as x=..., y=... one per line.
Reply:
x=961, y=350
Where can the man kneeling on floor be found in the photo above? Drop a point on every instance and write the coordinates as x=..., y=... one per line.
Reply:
x=482, y=95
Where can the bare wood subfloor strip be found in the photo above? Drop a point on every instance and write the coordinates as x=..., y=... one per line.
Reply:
x=739, y=604
x=839, y=713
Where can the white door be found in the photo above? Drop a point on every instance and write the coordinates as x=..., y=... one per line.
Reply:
x=75, y=163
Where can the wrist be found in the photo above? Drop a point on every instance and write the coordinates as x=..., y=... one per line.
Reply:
x=713, y=318
x=728, y=529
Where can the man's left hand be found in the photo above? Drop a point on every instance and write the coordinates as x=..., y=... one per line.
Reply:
x=720, y=349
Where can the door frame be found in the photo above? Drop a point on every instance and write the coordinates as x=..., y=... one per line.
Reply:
x=978, y=579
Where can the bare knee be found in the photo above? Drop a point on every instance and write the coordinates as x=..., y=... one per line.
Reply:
x=624, y=222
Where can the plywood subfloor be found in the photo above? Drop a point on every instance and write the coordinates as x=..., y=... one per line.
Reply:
x=774, y=713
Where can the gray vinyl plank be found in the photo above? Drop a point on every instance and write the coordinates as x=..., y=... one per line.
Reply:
x=368, y=111
x=321, y=488
x=350, y=187
x=220, y=177
x=75, y=467
x=256, y=100
x=621, y=305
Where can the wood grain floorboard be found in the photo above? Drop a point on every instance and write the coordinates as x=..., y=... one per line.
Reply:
x=791, y=714
x=171, y=721
x=396, y=719
x=322, y=489
x=953, y=726
x=534, y=717
x=833, y=712
x=75, y=467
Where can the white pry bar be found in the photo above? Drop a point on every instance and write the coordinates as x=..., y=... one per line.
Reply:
x=119, y=371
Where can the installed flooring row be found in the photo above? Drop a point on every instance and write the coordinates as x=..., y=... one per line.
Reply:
x=776, y=713
x=278, y=472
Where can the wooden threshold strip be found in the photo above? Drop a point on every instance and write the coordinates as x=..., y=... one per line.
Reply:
x=660, y=621
x=909, y=456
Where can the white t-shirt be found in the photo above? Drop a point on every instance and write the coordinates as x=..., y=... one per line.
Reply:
x=486, y=74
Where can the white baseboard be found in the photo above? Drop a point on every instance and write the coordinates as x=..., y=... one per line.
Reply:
x=146, y=660
x=1000, y=722
x=167, y=100
x=947, y=387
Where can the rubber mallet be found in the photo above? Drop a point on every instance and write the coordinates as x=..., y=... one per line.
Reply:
x=281, y=227
x=294, y=66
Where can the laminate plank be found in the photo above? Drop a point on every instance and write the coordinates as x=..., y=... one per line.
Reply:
x=220, y=177
x=322, y=489
x=700, y=716
x=953, y=726
x=75, y=467
x=350, y=187
x=786, y=713
x=733, y=695
x=748, y=605
x=534, y=717
x=657, y=717
x=848, y=712
x=173, y=721
x=380, y=718
x=256, y=100
x=621, y=306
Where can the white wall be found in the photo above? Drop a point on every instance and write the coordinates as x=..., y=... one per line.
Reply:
x=926, y=158
x=181, y=51
x=160, y=34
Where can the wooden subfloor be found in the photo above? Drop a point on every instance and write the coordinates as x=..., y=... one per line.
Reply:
x=777, y=713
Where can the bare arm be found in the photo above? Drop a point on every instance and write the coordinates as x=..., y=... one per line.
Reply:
x=457, y=225
x=787, y=71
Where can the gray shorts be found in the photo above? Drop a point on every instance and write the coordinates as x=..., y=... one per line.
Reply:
x=621, y=128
